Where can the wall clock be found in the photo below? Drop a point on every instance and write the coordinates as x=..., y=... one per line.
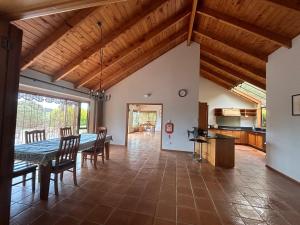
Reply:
x=182, y=92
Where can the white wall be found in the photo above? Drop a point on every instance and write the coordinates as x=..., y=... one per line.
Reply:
x=283, y=129
x=219, y=97
x=178, y=68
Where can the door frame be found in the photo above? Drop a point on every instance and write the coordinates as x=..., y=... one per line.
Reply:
x=127, y=115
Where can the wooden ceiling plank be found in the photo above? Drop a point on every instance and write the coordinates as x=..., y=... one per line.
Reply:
x=263, y=58
x=233, y=72
x=119, y=74
x=38, y=9
x=247, y=97
x=234, y=62
x=49, y=41
x=206, y=69
x=260, y=32
x=216, y=81
x=93, y=49
x=287, y=4
x=192, y=20
x=147, y=37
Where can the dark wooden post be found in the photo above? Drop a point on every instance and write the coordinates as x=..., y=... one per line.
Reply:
x=10, y=48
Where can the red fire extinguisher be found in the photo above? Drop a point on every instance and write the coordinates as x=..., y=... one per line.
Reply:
x=169, y=129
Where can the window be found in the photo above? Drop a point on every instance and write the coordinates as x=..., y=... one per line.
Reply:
x=41, y=112
x=147, y=117
x=84, y=117
x=251, y=92
x=263, y=117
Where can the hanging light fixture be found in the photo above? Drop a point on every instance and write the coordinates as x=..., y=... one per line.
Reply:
x=100, y=95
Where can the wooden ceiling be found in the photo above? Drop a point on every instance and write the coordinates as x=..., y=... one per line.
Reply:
x=236, y=37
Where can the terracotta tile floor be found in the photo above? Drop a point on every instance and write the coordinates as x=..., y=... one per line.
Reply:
x=142, y=185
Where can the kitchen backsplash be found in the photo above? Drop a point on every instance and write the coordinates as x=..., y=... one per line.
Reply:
x=236, y=121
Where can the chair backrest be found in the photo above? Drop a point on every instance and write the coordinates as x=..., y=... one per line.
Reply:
x=68, y=149
x=101, y=136
x=65, y=131
x=34, y=136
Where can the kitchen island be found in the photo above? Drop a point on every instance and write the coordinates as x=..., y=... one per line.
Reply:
x=218, y=149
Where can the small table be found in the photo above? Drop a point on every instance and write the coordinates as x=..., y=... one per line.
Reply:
x=44, y=152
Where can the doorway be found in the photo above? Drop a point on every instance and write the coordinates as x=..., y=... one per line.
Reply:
x=144, y=124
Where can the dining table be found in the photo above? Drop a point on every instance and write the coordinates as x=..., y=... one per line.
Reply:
x=44, y=152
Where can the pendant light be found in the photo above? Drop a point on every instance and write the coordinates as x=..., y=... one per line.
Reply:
x=100, y=95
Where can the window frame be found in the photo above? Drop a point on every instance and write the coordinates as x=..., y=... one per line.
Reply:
x=65, y=99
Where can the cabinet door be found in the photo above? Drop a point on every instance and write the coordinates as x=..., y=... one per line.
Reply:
x=252, y=139
x=259, y=141
x=244, y=137
x=237, y=135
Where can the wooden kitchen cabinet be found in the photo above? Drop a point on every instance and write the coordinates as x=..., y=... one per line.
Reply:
x=244, y=137
x=260, y=141
x=252, y=139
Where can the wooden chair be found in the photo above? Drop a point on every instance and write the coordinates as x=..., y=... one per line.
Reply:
x=22, y=168
x=31, y=137
x=65, y=159
x=65, y=131
x=34, y=136
x=97, y=149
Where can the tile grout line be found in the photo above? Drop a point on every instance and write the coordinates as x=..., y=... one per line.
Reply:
x=194, y=197
x=156, y=208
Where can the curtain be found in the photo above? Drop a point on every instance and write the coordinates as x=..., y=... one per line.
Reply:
x=41, y=112
x=147, y=117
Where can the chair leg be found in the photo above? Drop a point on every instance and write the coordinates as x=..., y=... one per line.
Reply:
x=24, y=180
x=102, y=157
x=82, y=159
x=56, y=183
x=74, y=176
x=61, y=176
x=95, y=160
x=33, y=181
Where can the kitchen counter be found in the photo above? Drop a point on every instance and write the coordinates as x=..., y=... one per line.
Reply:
x=212, y=135
x=244, y=136
x=218, y=149
x=248, y=129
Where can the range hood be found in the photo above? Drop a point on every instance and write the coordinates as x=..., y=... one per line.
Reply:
x=231, y=112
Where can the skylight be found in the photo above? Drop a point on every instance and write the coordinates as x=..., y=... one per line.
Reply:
x=251, y=92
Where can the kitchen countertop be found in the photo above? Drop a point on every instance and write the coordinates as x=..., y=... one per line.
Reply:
x=248, y=129
x=212, y=136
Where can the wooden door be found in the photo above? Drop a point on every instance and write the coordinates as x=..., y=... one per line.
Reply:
x=203, y=116
x=10, y=48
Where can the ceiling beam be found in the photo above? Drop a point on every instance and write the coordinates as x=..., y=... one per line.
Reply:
x=192, y=20
x=208, y=70
x=106, y=40
x=232, y=72
x=217, y=81
x=260, y=32
x=13, y=10
x=51, y=39
x=288, y=4
x=148, y=56
x=147, y=37
x=251, y=53
x=234, y=62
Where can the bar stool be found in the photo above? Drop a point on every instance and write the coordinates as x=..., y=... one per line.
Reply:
x=201, y=142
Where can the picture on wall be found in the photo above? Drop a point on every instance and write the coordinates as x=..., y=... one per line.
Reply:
x=296, y=105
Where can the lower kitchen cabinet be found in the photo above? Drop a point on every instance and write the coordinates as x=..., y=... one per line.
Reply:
x=254, y=139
